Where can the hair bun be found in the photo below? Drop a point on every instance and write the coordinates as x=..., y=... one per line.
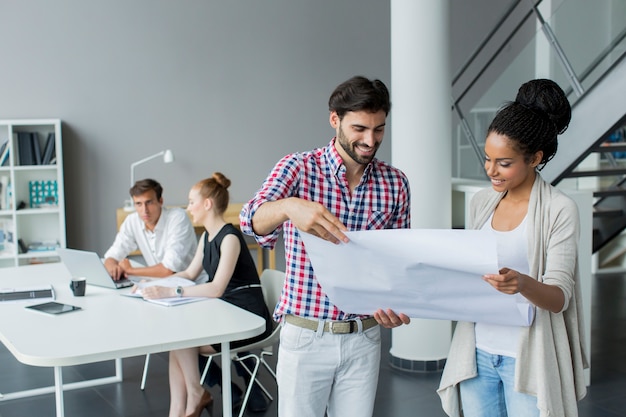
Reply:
x=221, y=179
x=548, y=99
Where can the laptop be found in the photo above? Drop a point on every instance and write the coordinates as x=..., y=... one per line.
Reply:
x=87, y=264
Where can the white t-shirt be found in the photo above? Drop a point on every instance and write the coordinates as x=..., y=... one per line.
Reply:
x=512, y=249
x=172, y=243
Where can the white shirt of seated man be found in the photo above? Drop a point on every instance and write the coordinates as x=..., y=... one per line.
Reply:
x=165, y=237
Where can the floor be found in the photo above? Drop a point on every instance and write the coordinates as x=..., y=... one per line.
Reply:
x=399, y=393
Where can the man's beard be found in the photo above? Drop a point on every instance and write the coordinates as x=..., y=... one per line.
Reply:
x=349, y=148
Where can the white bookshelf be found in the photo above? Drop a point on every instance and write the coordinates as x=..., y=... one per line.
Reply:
x=37, y=219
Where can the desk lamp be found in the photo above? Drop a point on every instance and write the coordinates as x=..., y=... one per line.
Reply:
x=168, y=157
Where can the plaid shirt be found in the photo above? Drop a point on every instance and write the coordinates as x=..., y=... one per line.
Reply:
x=380, y=201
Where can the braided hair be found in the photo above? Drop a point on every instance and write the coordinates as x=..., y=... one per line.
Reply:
x=533, y=121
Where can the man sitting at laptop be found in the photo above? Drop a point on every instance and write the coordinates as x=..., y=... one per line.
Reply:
x=165, y=236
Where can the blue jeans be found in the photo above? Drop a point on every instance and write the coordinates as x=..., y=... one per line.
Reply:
x=491, y=393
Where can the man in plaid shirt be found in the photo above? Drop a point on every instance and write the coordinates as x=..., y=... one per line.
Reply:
x=328, y=359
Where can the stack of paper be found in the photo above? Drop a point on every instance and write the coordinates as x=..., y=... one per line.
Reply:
x=170, y=282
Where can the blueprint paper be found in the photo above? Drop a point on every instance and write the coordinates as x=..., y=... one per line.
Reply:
x=424, y=273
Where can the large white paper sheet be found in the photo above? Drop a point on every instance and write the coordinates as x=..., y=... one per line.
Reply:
x=423, y=273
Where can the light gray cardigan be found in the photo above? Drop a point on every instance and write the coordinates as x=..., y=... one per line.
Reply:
x=550, y=355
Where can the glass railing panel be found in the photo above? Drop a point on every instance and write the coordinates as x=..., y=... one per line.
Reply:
x=591, y=35
x=466, y=164
x=527, y=65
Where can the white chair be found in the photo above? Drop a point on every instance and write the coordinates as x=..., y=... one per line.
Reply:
x=272, y=282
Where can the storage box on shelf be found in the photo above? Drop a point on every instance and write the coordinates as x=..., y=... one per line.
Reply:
x=32, y=199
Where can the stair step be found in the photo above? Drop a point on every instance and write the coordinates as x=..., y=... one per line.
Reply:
x=610, y=147
x=603, y=212
x=597, y=172
x=609, y=192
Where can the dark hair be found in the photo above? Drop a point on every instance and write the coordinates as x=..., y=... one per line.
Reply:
x=359, y=93
x=215, y=188
x=143, y=186
x=539, y=113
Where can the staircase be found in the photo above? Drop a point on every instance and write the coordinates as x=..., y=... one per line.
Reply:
x=595, y=116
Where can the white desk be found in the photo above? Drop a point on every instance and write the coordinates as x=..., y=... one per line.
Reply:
x=96, y=333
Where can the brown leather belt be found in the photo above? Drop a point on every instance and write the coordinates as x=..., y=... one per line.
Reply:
x=334, y=327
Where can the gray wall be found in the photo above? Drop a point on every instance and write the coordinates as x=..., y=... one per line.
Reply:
x=229, y=86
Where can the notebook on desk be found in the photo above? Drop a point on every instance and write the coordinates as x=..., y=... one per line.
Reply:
x=88, y=264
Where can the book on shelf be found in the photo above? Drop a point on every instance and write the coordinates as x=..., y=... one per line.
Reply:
x=49, y=150
x=41, y=246
x=8, y=196
x=29, y=148
x=5, y=203
x=36, y=148
x=4, y=153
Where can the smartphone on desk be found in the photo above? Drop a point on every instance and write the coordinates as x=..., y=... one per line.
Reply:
x=53, y=307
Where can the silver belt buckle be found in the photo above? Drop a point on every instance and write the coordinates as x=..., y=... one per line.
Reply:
x=330, y=327
x=342, y=327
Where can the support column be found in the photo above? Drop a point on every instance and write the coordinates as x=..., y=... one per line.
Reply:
x=421, y=147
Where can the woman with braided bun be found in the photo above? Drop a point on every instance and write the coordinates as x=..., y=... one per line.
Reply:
x=495, y=370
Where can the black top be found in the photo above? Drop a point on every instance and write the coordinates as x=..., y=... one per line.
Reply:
x=245, y=271
x=238, y=291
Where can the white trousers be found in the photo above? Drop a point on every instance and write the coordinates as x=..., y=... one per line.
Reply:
x=319, y=372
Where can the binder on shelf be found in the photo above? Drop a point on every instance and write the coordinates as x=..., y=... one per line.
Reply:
x=36, y=149
x=25, y=148
x=48, y=152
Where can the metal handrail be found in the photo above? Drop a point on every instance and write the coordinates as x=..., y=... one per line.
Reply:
x=554, y=42
x=485, y=41
x=493, y=57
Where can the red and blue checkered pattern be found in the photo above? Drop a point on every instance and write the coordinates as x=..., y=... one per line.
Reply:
x=380, y=201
